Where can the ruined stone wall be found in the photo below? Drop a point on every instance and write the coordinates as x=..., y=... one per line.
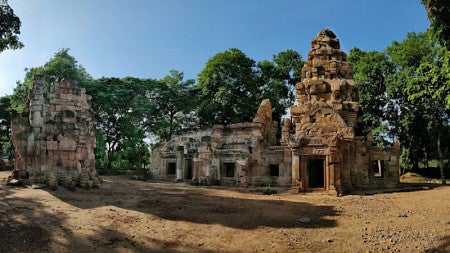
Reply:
x=54, y=137
x=237, y=154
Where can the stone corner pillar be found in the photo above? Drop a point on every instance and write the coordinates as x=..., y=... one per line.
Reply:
x=179, y=167
x=296, y=177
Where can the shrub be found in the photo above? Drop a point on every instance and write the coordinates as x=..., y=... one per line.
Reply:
x=268, y=191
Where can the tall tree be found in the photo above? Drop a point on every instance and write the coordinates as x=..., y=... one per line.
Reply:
x=416, y=91
x=229, y=89
x=124, y=114
x=9, y=28
x=403, y=115
x=174, y=101
x=370, y=72
x=424, y=90
x=439, y=15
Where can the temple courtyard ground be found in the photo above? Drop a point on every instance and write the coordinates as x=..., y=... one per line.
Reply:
x=135, y=216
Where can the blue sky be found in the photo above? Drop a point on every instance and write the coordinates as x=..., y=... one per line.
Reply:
x=148, y=38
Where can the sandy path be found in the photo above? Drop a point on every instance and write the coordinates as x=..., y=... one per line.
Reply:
x=135, y=216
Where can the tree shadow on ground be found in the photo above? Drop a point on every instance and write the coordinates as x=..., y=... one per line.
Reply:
x=202, y=206
x=444, y=247
x=26, y=226
x=20, y=227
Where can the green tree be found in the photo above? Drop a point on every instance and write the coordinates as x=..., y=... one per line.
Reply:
x=424, y=90
x=61, y=65
x=229, y=89
x=5, y=126
x=174, y=100
x=370, y=72
x=124, y=114
x=439, y=14
x=278, y=79
x=416, y=93
x=403, y=115
x=9, y=28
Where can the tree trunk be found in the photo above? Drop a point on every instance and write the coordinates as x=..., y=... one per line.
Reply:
x=441, y=164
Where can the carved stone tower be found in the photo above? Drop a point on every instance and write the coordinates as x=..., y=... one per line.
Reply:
x=330, y=150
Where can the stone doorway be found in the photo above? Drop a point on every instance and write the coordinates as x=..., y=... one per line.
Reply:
x=189, y=168
x=316, y=173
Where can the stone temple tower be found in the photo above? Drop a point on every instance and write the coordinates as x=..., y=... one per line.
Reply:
x=330, y=150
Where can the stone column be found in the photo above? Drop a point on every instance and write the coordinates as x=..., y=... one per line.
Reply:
x=195, y=169
x=179, y=167
x=295, y=168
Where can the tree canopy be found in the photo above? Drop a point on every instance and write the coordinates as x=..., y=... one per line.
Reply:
x=61, y=65
x=231, y=86
x=174, y=100
x=228, y=88
x=9, y=28
x=439, y=14
x=124, y=115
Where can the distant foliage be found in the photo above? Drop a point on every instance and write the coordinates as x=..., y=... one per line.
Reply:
x=5, y=126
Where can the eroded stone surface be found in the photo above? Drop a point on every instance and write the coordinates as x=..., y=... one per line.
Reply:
x=54, y=137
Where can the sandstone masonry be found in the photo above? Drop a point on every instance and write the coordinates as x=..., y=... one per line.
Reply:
x=54, y=137
x=237, y=154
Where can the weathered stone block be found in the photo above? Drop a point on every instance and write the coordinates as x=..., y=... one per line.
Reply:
x=67, y=145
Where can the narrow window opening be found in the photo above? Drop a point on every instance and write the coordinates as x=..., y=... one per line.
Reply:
x=378, y=169
x=274, y=170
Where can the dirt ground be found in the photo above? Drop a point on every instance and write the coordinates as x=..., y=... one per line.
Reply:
x=135, y=216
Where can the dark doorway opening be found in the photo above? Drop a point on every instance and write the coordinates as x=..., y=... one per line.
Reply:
x=171, y=168
x=316, y=173
x=188, y=173
x=229, y=169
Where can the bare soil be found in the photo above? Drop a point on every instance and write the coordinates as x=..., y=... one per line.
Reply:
x=135, y=216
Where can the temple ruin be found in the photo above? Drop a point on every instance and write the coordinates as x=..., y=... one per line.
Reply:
x=324, y=146
x=237, y=154
x=54, y=136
